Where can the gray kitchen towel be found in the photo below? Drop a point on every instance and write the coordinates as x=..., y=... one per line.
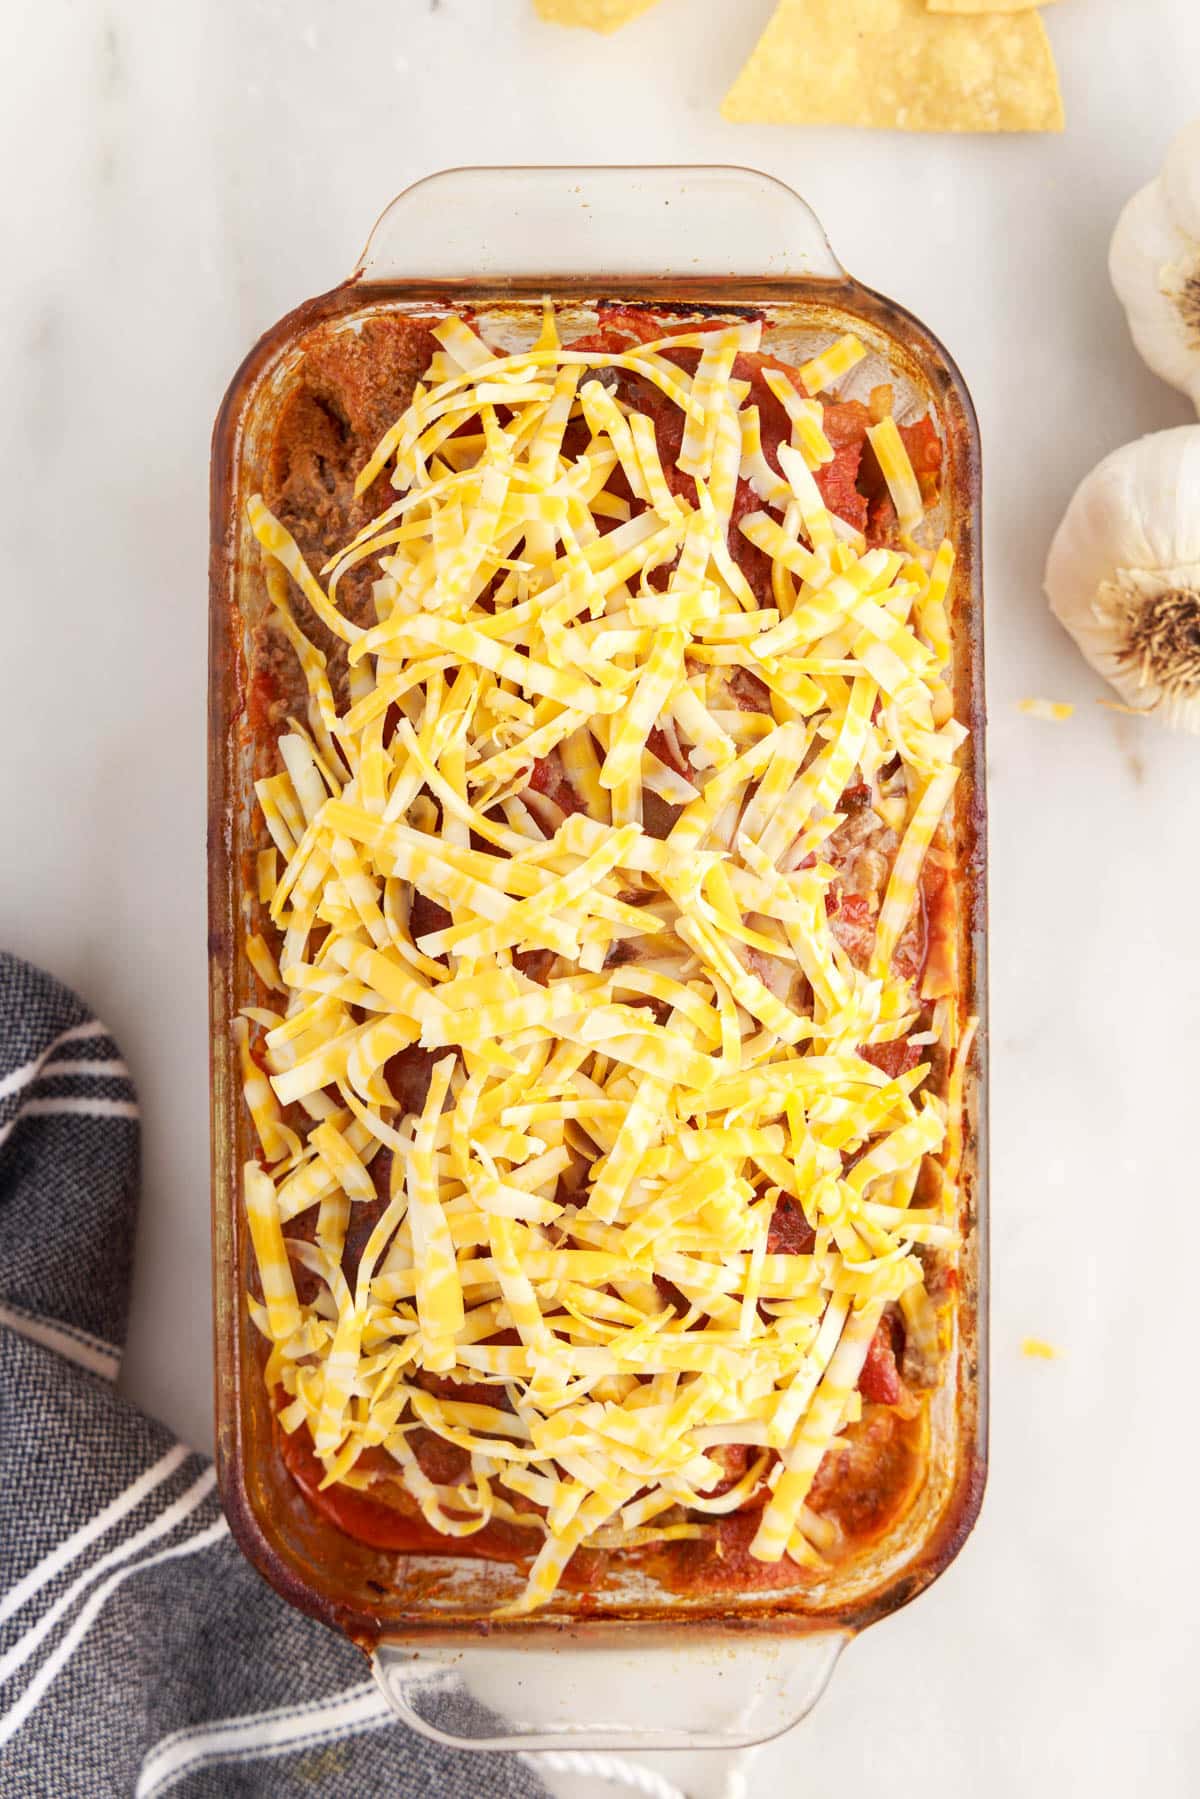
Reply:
x=139, y=1653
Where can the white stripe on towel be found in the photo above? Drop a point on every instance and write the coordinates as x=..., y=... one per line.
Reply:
x=113, y=1069
x=67, y=1340
x=12, y=1720
x=261, y=1734
x=166, y=1521
x=28, y=1072
x=84, y=1108
x=64, y=1553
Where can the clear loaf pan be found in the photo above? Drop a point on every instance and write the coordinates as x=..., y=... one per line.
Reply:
x=634, y=1665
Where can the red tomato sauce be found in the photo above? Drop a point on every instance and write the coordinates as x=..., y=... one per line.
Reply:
x=394, y=1521
x=389, y=1518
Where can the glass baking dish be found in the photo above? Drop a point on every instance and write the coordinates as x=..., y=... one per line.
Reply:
x=630, y=1666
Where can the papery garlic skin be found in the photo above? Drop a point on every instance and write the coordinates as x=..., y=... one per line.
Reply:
x=1124, y=573
x=1154, y=262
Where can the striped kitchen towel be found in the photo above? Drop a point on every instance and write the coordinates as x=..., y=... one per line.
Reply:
x=139, y=1653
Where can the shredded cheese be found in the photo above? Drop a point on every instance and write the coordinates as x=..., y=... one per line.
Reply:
x=826, y=370
x=903, y=485
x=641, y=1044
x=1054, y=712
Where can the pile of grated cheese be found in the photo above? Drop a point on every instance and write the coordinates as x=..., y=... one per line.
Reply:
x=516, y=619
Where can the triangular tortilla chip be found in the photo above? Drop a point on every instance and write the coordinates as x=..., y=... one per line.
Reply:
x=891, y=64
x=976, y=6
x=597, y=15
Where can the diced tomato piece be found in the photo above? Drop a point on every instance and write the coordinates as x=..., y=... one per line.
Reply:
x=619, y=326
x=837, y=482
x=754, y=563
x=908, y=957
x=894, y=1059
x=659, y=744
x=882, y=522
x=924, y=448
x=735, y=1458
x=879, y=1381
x=547, y=776
x=748, y=365
x=544, y=775
x=853, y=924
x=790, y=1233
x=853, y=921
x=749, y=693
x=535, y=964
x=846, y=423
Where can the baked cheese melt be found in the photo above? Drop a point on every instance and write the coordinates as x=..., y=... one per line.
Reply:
x=641, y=1044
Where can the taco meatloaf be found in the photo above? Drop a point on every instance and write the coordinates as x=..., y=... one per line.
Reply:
x=608, y=1055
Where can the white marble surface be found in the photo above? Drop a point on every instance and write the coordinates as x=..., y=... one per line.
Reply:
x=176, y=177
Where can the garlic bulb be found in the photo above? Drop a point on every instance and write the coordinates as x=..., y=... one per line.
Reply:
x=1124, y=573
x=1154, y=262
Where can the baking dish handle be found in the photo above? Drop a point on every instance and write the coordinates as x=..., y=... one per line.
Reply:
x=710, y=1693
x=602, y=223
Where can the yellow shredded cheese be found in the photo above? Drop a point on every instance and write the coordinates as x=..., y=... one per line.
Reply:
x=632, y=1036
x=903, y=486
x=826, y=370
x=1054, y=712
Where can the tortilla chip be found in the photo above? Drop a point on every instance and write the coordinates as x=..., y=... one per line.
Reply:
x=890, y=64
x=977, y=6
x=597, y=15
